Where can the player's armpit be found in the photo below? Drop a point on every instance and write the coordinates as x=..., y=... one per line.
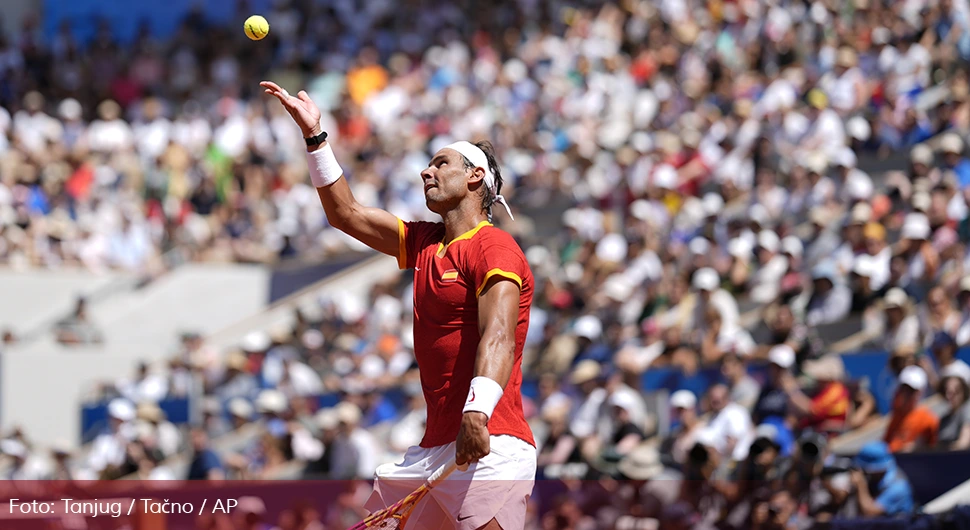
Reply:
x=498, y=314
x=376, y=228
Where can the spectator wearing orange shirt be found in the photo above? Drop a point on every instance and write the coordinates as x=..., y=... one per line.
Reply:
x=827, y=410
x=911, y=425
x=368, y=78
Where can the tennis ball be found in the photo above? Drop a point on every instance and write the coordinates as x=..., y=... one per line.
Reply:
x=256, y=27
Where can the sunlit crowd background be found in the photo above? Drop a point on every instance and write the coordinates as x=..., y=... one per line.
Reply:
x=722, y=212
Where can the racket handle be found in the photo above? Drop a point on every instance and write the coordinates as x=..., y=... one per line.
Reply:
x=442, y=473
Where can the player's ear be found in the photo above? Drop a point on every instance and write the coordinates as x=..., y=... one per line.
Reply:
x=477, y=174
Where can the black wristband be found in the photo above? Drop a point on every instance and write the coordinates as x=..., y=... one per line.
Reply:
x=316, y=140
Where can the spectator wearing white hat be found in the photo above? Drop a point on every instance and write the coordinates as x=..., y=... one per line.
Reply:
x=326, y=424
x=845, y=84
x=898, y=326
x=108, y=449
x=772, y=266
x=773, y=400
x=272, y=404
x=922, y=260
x=911, y=425
x=831, y=300
x=23, y=465
x=860, y=281
x=706, y=286
x=145, y=386
x=168, y=437
x=740, y=250
x=363, y=443
x=240, y=412
x=586, y=377
x=588, y=330
x=951, y=147
x=626, y=434
x=683, y=413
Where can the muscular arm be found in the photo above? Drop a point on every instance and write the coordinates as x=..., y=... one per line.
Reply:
x=498, y=311
x=376, y=228
x=498, y=314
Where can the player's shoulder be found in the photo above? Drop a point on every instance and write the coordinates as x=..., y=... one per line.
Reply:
x=425, y=229
x=492, y=236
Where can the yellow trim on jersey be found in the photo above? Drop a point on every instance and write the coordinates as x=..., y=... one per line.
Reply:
x=442, y=247
x=498, y=272
x=402, y=248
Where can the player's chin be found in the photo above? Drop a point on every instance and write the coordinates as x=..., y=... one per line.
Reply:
x=433, y=202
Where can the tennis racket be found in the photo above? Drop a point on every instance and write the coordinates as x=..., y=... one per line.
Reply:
x=396, y=515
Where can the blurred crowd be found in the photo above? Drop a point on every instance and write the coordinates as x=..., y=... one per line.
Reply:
x=721, y=217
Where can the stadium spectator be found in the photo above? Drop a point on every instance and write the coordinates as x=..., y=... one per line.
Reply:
x=365, y=449
x=77, y=328
x=830, y=300
x=205, y=464
x=911, y=426
x=772, y=403
x=167, y=437
x=23, y=464
x=880, y=487
x=683, y=406
x=108, y=449
x=744, y=389
x=955, y=423
x=144, y=387
x=944, y=353
x=828, y=409
x=728, y=430
x=899, y=327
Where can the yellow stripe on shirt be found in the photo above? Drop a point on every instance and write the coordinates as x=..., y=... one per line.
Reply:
x=402, y=249
x=498, y=272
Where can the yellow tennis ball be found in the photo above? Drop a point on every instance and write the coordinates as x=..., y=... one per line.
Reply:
x=256, y=27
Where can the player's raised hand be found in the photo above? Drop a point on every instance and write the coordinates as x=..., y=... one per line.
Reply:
x=472, y=443
x=300, y=107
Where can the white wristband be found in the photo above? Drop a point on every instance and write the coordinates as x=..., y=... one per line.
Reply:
x=483, y=396
x=324, y=169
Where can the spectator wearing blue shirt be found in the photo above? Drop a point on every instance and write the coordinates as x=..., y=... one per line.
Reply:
x=206, y=464
x=952, y=148
x=881, y=487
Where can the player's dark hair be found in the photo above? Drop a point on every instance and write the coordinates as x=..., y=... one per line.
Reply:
x=488, y=196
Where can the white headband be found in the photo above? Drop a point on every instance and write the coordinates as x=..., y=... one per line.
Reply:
x=477, y=157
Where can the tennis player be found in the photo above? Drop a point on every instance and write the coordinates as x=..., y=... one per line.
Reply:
x=472, y=292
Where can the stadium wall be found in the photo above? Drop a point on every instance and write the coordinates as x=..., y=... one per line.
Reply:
x=124, y=17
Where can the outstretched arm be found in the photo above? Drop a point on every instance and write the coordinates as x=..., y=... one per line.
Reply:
x=376, y=228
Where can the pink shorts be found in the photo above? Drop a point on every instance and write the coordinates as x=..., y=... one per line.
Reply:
x=496, y=487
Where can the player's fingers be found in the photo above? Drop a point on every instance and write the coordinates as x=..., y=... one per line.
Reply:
x=270, y=85
x=304, y=96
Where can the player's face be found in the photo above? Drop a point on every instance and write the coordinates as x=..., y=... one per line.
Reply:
x=445, y=181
